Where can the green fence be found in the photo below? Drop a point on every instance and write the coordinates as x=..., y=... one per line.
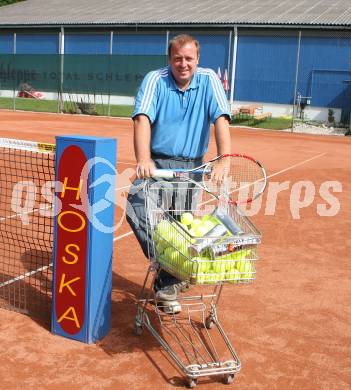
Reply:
x=74, y=79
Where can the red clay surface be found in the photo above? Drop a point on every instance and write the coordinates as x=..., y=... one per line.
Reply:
x=291, y=327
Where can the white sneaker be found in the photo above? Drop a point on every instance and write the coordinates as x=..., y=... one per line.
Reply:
x=170, y=307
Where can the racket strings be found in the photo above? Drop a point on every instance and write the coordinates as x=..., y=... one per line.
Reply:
x=241, y=179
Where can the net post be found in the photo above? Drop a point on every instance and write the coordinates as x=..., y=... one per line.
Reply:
x=83, y=237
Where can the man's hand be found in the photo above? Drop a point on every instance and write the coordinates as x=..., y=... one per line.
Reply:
x=145, y=168
x=220, y=171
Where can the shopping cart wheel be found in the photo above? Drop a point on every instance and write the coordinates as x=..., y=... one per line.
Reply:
x=228, y=379
x=192, y=382
x=209, y=322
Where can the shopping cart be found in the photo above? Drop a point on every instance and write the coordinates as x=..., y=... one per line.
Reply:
x=222, y=251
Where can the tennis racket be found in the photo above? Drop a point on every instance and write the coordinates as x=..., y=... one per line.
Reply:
x=236, y=178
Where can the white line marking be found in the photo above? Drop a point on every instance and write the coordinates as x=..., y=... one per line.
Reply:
x=122, y=188
x=17, y=278
x=296, y=165
x=126, y=163
x=122, y=236
x=25, y=213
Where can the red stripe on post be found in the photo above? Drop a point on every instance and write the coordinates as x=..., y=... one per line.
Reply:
x=71, y=241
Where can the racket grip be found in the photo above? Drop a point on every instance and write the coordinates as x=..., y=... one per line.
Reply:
x=163, y=174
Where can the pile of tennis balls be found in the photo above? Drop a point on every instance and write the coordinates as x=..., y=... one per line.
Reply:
x=172, y=240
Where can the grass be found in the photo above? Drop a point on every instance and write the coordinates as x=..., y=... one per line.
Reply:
x=29, y=104
x=52, y=106
x=126, y=111
x=279, y=123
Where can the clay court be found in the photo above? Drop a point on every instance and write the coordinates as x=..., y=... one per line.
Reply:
x=291, y=327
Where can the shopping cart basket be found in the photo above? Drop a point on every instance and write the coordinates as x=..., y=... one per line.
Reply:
x=218, y=247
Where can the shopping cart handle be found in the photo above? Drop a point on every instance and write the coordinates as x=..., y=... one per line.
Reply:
x=163, y=174
x=177, y=172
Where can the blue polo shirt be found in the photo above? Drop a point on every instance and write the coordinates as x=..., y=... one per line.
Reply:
x=180, y=120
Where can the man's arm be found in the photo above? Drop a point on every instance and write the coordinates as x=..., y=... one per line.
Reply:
x=222, y=135
x=223, y=142
x=142, y=137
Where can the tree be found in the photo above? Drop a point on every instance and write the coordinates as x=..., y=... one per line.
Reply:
x=7, y=2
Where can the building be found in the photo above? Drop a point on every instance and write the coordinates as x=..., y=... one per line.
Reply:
x=275, y=53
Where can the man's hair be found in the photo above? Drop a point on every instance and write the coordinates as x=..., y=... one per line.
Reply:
x=182, y=40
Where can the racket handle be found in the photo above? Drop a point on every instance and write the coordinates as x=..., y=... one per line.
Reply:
x=163, y=174
x=177, y=172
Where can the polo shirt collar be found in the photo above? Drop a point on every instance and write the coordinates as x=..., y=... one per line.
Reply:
x=194, y=83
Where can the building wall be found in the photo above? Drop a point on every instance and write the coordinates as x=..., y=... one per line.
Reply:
x=269, y=62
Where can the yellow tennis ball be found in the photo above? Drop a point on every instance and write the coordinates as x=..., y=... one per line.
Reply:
x=186, y=218
x=200, y=230
x=233, y=276
x=219, y=266
x=203, y=265
x=246, y=269
x=214, y=277
x=159, y=249
x=165, y=229
x=168, y=253
x=186, y=268
x=196, y=222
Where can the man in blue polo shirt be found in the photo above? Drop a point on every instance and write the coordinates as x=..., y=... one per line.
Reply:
x=174, y=109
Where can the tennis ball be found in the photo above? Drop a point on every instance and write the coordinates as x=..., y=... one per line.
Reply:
x=203, y=265
x=200, y=230
x=168, y=252
x=164, y=229
x=192, y=232
x=163, y=225
x=196, y=222
x=241, y=254
x=177, y=260
x=206, y=217
x=201, y=279
x=186, y=218
x=159, y=249
x=186, y=268
x=219, y=266
x=233, y=276
x=246, y=269
x=208, y=278
x=230, y=266
x=178, y=227
x=214, y=277
x=185, y=227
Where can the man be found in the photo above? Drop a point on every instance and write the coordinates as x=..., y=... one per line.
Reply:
x=174, y=109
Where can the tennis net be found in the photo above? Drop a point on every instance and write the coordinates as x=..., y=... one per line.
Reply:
x=27, y=173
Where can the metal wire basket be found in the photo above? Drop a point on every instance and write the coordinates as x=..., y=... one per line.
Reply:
x=220, y=245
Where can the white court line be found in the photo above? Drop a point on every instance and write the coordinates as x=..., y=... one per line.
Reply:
x=25, y=213
x=122, y=236
x=23, y=276
x=122, y=188
x=125, y=163
x=296, y=165
x=272, y=175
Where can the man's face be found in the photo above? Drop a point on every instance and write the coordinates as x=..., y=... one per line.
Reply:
x=183, y=61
